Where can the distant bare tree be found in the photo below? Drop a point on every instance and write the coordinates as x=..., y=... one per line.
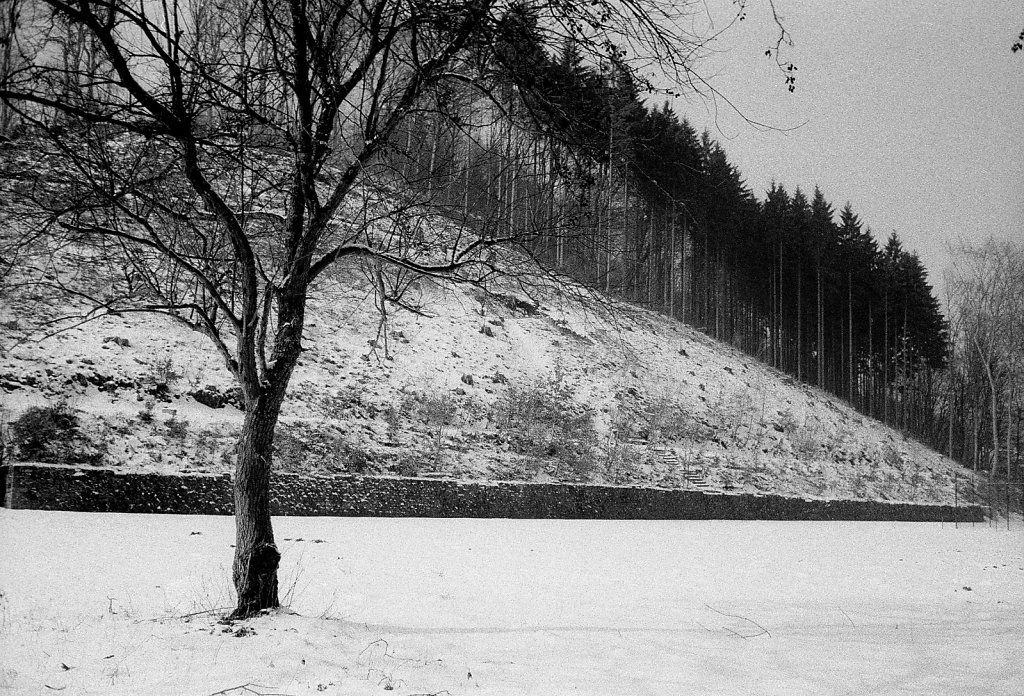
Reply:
x=986, y=290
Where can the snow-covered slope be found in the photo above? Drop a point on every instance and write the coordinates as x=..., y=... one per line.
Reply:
x=480, y=386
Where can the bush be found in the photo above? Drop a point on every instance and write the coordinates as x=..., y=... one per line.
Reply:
x=806, y=443
x=407, y=464
x=668, y=422
x=177, y=429
x=663, y=420
x=788, y=421
x=436, y=411
x=393, y=419
x=355, y=459
x=40, y=426
x=543, y=420
x=146, y=414
x=164, y=371
x=624, y=459
x=50, y=434
x=731, y=413
x=893, y=457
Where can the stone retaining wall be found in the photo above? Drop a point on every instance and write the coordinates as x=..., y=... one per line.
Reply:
x=47, y=487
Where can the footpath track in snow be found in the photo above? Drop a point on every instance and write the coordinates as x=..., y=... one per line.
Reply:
x=99, y=603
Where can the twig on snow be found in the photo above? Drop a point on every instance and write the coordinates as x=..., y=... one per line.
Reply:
x=248, y=688
x=183, y=616
x=764, y=631
x=387, y=651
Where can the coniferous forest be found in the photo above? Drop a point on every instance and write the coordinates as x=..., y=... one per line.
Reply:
x=623, y=194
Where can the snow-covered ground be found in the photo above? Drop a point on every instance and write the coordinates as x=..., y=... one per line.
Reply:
x=104, y=604
x=433, y=402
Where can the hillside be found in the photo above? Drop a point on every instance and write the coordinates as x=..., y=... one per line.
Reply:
x=478, y=386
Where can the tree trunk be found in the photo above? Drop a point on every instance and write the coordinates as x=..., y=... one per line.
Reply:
x=819, y=342
x=799, y=318
x=672, y=263
x=849, y=335
x=1008, y=428
x=977, y=429
x=256, y=555
x=682, y=270
x=949, y=413
x=885, y=364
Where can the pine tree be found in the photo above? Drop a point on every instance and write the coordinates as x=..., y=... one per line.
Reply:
x=800, y=226
x=774, y=218
x=823, y=241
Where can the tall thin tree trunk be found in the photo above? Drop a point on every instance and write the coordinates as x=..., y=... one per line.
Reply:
x=977, y=437
x=885, y=364
x=904, y=369
x=849, y=331
x=1016, y=444
x=682, y=269
x=650, y=257
x=799, y=319
x=820, y=339
x=468, y=164
x=871, y=359
x=782, y=315
x=672, y=263
x=1008, y=428
x=949, y=408
x=993, y=404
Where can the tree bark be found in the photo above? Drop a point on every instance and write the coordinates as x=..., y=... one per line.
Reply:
x=256, y=556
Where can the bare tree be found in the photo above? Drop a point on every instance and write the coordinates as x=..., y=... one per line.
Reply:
x=211, y=166
x=986, y=290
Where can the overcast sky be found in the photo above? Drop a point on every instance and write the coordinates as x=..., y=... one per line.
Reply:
x=912, y=110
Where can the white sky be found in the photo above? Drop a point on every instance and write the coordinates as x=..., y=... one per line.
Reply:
x=911, y=110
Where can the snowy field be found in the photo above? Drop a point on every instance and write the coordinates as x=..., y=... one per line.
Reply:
x=106, y=604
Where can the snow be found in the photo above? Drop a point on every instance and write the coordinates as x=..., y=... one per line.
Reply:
x=749, y=426
x=513, y=607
